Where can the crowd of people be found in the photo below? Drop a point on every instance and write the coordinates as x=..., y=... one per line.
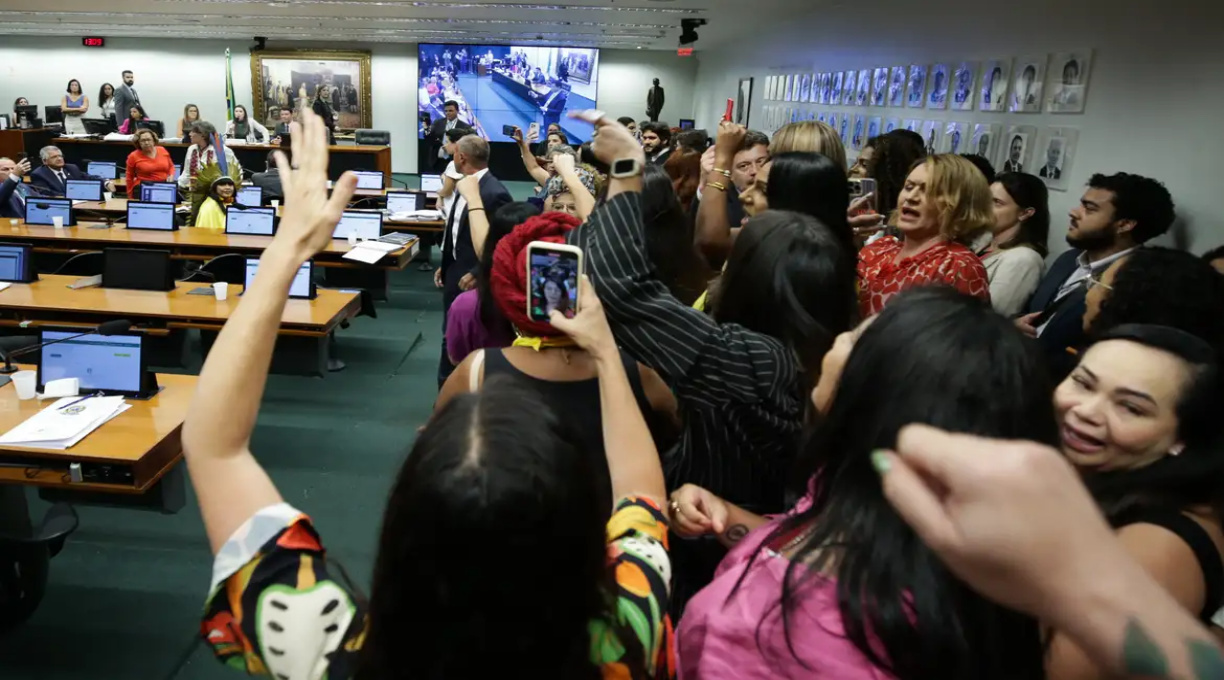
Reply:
x=787, y=432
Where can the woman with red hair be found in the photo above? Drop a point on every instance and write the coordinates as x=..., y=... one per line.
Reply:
x=548, y=360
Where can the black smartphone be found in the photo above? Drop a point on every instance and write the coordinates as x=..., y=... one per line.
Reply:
x=509, y=130
x=553, y=272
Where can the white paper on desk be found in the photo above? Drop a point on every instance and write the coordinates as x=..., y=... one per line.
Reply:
x=4, y=284
x=379, y=245
x=52, y=428
x=366, y=255
x=116, y=137
x=422, y=215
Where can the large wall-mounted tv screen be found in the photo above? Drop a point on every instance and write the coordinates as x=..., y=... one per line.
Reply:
x=499, y=85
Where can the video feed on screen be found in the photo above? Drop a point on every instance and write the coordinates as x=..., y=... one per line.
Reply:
x=499, y=85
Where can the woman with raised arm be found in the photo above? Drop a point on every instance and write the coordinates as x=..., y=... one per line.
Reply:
x=569, y=593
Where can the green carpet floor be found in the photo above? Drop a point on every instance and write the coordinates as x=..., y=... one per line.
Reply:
x=126, y=593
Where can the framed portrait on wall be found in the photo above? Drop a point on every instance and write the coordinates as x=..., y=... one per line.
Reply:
x=931, y=133
x=1069, y=81
x=954, y=138
x=832, y=120
x=293, y=78
x=805, y=88
x=995, y=76
x=743, y=101
x=1057, y=149
x=916, y=97
x=1013, y=157
x=835, y=88
x=849, y=87
x=843, y=128
x=874, y=125
x=983, y=141
x=879, y=91
x=896, y=87
x=938, y=96
x=860, y=128
x=912, y=124
x=1027, y=85
x=891, y=124
x=864, y=87
x=964, y=76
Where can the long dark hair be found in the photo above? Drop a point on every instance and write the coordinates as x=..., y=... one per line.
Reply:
x=789, y=277
x=102, y=96
x=895, y=155
x=138, y=107
x=1028, y=192
x=669, y=238
x=811, y=184
x=1196, y=475
x=1164, y=287
x=80, y=90
x=494, y=473
x=501, y=223
x=938, y=357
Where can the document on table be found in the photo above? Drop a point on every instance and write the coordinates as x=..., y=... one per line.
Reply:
x=57, y=427
x=370, y=251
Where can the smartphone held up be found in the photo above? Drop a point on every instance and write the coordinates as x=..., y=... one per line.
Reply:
x=553, y=273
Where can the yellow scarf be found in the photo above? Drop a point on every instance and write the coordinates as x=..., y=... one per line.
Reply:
x=542, y=343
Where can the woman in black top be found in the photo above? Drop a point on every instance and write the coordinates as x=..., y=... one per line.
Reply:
x=742, y=376
x=322, y=108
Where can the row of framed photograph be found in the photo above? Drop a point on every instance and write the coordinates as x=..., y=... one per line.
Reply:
x=952, y=85
x=1012, y=148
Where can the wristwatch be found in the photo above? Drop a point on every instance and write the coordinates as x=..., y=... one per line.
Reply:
x=626, y=168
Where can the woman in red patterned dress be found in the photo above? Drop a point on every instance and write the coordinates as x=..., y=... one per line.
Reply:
x=943, y=204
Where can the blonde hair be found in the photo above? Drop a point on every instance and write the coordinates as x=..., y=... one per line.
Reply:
x=811, y=136
x=141, y=133
x=960, y=191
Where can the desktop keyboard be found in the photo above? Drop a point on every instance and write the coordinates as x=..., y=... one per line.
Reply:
x=398, y=239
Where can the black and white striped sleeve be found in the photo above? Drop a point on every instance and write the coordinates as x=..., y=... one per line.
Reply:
x=702, y=360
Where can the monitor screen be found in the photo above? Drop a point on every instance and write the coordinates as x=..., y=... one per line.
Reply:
x=136, y=269
x=100, y=362
x=431, y=183
x=367, y=179
x=177, y=169
x=300, y=288
x=366, y=225
x=13, y=261
x=103, y=169
x=251, y=196
x=257, y=221
x=159, y=192
x=150, y=216
x=83, y=189
x=405, y=201
x=498, y=85
x=41, y=210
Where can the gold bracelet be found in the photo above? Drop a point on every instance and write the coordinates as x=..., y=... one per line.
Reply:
x=724, y=173
x=717, y=185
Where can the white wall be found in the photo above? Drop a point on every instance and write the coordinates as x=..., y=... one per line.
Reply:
x=171, y=73
x=1153, y=104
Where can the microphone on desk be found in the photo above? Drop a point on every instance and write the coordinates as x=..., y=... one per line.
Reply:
x=114, y=327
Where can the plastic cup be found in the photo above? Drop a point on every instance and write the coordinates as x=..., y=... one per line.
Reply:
x=221, y=290
x=352, y=238
x=107, y=196
x=26, y=383
x=58, y=221
x=275, y=203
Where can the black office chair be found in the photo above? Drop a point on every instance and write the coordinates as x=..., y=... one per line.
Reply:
x=372, y=137
x=25, y=562
x=82, y=264
x=230, y=268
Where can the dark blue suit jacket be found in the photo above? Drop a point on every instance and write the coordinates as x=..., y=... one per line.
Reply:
x=44, y=178
x=1066, y=327
x=10, y=205
x=460, y=258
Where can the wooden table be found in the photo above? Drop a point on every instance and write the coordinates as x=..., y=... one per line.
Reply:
x=188, y=243
x=252, y=156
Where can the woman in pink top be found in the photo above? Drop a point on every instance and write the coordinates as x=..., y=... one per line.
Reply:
x=840, y=587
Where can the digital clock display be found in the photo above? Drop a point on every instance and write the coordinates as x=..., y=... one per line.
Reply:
x=93, y=42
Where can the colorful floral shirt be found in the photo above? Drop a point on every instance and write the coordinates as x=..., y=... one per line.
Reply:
x=947, y=263
x=273, y=609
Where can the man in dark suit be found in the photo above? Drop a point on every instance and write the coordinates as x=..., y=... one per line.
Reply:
x=654, y=101
x=53, y=175
x=13, y=193
x=125, y=96
x=1053, y=155
x=436, y=156
x=284, y=120
x=269, y=180
x=552, y=105
x=1116, y=214
x=459, y=258
x=656, y=142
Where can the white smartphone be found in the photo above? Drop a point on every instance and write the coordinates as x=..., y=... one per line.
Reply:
x=533, y=131
x=553, y=273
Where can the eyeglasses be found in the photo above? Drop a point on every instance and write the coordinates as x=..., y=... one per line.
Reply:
x=1094, y=282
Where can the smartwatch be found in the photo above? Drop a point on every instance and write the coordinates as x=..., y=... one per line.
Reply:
x=626, y=168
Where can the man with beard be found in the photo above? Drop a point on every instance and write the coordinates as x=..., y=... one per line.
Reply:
x=656, y=142
x=1116, y=214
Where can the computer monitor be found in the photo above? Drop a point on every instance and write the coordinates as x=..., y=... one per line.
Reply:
x=17, y=263
x=370, y=179
x=366, y=225
x=102, y=169
x=254, y=221
x=53, y=114
x=405, y=201
x=156, y=216
x=154, y=125
x=97, y=126
x=42, y=210
x=431, y=183
x=83, y=189
x=688, y=124
x=137, y=269
x=178, y=169
x=114, y=364
x=250, y=196
x=159, y=192
x=5, y=123
x=26, y=115
x=303, y=282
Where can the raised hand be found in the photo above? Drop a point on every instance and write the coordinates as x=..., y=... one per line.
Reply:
x=309, y=216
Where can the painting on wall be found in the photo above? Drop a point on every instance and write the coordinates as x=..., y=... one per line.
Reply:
x=995, y=76
x=1070, y=81
x=1016, y=142
x=1027, y=85
x=916, y=98
x=1057, y=148
x=294, y=79
x=963, y=79
x=983, y=140
x=743, y=101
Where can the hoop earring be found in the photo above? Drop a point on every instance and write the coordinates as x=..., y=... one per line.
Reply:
x=1176, y=449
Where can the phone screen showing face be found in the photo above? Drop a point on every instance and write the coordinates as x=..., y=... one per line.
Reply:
x=552, y=281
x=509, y=130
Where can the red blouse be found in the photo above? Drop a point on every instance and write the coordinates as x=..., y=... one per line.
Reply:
x=948, y=263
x=141, y=168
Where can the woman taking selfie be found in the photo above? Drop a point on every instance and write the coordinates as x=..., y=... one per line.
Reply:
x=494, y=473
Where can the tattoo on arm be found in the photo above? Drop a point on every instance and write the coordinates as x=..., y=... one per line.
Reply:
x=1143, y=657
x=735, y=533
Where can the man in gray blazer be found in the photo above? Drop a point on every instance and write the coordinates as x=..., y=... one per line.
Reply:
x=269, y=180
x=125, y=97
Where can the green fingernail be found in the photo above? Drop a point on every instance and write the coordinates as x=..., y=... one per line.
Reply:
x=880, y=461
